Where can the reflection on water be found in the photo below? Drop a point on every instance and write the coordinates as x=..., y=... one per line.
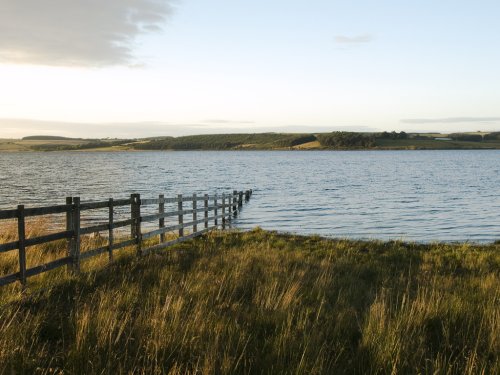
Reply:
x=412, y=195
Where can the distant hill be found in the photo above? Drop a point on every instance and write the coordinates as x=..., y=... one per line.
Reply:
x=227, y=141
x=337, y=140
x=48, y=138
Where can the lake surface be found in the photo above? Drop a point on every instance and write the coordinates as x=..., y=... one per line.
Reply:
x=412, y=195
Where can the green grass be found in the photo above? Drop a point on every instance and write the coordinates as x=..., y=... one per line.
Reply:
x=263, y=302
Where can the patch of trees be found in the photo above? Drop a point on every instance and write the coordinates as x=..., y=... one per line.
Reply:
x=392, y=135
x=346, y=140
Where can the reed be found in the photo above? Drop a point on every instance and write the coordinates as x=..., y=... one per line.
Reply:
x=262, y=302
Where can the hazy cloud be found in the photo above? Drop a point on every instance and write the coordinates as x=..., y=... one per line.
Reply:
x=77, y=32
x=449, y=120
x=356, y=39
x=18, y=128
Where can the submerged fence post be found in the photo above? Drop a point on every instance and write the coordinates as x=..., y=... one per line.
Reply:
x=247, y=195
x=135, y=229
x=181, y=215
x=21, y=231
x=111, y=229
x=161, y=211
x=240, y=199
x=195, y=214
x=206, y=210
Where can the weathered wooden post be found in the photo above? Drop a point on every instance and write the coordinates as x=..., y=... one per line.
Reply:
x=240, y=199
x=21, y=231
x=195, y=214
x=206, y=210
x=135, y=210
x=247, y=195
x=75, y=251
x=180, y=215
x=70, y=227
x=229, y=209
x=110, y=229
x=223, y=210
x=161, y=211
x=216, y=210
x=235, y=204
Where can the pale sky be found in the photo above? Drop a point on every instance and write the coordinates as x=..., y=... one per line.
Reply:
x=138, y=68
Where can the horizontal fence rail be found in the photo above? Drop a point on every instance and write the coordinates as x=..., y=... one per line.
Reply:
x=201, y=213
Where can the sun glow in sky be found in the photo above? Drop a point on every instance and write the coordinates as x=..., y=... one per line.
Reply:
x=137, y=68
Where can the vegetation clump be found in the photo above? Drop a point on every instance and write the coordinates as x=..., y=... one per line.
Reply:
x=263, y=302
x=346, y=140
x=392, y=135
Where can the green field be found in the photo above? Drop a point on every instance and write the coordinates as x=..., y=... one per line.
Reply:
x=431, y=144
x=57, y=144
x=260, y=302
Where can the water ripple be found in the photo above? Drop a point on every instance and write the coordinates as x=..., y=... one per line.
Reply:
x=418, y=195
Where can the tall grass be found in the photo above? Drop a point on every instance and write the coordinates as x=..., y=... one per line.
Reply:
x=263, y=302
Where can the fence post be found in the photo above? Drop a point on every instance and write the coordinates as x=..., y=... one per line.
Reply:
x=75, y=254
x=216, y=222
x=161, y=210
x=235, y=207
x=110, y=230
x=70, y=227
x=21, y=231
x=181, y=215
x=247, y=195
x=229, y=209
x=223, y=210
x=135, y=229
x=240, y=199
x=206, y=211
x=195, y=214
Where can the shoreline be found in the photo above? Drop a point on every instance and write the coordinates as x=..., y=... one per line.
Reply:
x=92, y=150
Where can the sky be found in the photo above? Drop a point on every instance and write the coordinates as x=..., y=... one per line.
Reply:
x=140, y=68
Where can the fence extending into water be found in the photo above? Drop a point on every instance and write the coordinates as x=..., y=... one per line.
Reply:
x=206, y=213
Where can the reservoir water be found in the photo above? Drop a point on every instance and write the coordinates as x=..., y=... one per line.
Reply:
x=420, y=196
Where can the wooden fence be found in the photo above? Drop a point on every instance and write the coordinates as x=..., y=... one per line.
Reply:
x=222, y=208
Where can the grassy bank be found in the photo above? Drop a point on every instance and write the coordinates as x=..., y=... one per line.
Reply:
x=262, y=302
